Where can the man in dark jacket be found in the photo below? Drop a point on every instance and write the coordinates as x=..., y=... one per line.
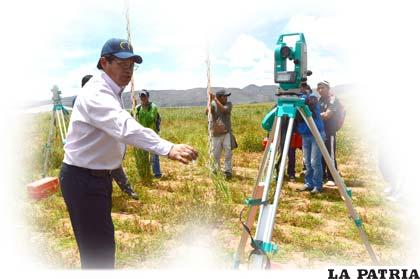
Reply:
x=329, y=107
x=311, y=153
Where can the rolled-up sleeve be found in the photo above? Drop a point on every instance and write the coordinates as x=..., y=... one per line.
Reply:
x=106, y=114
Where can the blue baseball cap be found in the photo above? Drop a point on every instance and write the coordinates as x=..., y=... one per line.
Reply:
x=119, y=48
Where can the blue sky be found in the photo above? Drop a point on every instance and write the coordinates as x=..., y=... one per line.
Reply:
x=172, y=37
x=61, y=40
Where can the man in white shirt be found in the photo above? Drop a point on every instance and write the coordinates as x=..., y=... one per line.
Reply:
x=98, y=132
x=118, y=175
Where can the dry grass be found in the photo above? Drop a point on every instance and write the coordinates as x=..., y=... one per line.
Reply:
x=310, y=230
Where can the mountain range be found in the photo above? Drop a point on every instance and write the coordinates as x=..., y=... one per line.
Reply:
x=198, y=97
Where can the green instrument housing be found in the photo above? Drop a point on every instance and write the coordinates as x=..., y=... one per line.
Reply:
x=290, y=81
x=285, y=106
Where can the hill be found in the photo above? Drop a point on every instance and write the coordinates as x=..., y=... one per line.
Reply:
x=197, y=96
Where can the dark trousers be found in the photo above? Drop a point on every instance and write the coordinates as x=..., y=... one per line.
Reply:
x=330, y=143
x=291, y=162
x=291, y=153
x=88, y=199
x=291, y=156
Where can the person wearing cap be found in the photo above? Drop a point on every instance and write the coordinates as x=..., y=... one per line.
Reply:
x=221, y=129
x=99, y=130
x=329, y=106
x=312, y=157
x=147, y=115
x=118, y=175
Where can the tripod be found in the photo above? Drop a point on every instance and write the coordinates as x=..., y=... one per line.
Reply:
x=58, y=118
x=287, y=105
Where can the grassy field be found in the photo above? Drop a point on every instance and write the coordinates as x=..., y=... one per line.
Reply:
x=191, y=218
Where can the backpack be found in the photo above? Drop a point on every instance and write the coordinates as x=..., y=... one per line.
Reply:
x=340, y=115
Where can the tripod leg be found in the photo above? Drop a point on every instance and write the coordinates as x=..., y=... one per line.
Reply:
x=48, y=146
x=340, y=184
x=268, y=231
x=273, y=147
x=268, y=211
x=59, y=114
x=63, y=125
x=265, y=173
x=257, y=194
x=65, y=122
x=264, y=161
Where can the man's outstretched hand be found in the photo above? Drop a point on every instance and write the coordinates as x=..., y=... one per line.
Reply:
x=183, y=153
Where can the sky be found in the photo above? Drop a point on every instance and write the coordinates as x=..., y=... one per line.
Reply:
x=64, y=40
x=370, y=43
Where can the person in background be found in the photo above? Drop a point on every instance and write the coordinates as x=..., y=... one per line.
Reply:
x=311, y=153
x=221, y=128
x=147, y=115
x=329, y=106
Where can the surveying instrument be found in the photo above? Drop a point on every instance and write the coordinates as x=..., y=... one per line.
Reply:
x=59, y=120
x=288, y=105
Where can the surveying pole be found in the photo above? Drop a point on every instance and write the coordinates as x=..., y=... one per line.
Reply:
x=288, y=105
x=58, y=118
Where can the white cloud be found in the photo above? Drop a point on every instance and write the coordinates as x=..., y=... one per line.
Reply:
x=246, y=51
x=246, y=61
x=331, y=44
x=321, y=33
x=77, y=53
x=181, y=29
x=70, y=84
x=61, y=32
x=241, y=78
x=157, y=78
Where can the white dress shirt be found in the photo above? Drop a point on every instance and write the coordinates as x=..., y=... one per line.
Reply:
x=100, y=128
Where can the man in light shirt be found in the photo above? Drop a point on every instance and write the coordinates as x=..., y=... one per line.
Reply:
x=98, y=132
x=118, y=175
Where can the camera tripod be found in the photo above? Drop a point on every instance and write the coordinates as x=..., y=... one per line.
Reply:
x=58, y=118
x=287, y=105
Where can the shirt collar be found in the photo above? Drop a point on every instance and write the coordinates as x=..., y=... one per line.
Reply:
x=116, y=89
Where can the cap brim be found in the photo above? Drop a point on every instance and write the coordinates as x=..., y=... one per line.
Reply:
x=123, y=55
x=226, y=94
x=126, y=55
